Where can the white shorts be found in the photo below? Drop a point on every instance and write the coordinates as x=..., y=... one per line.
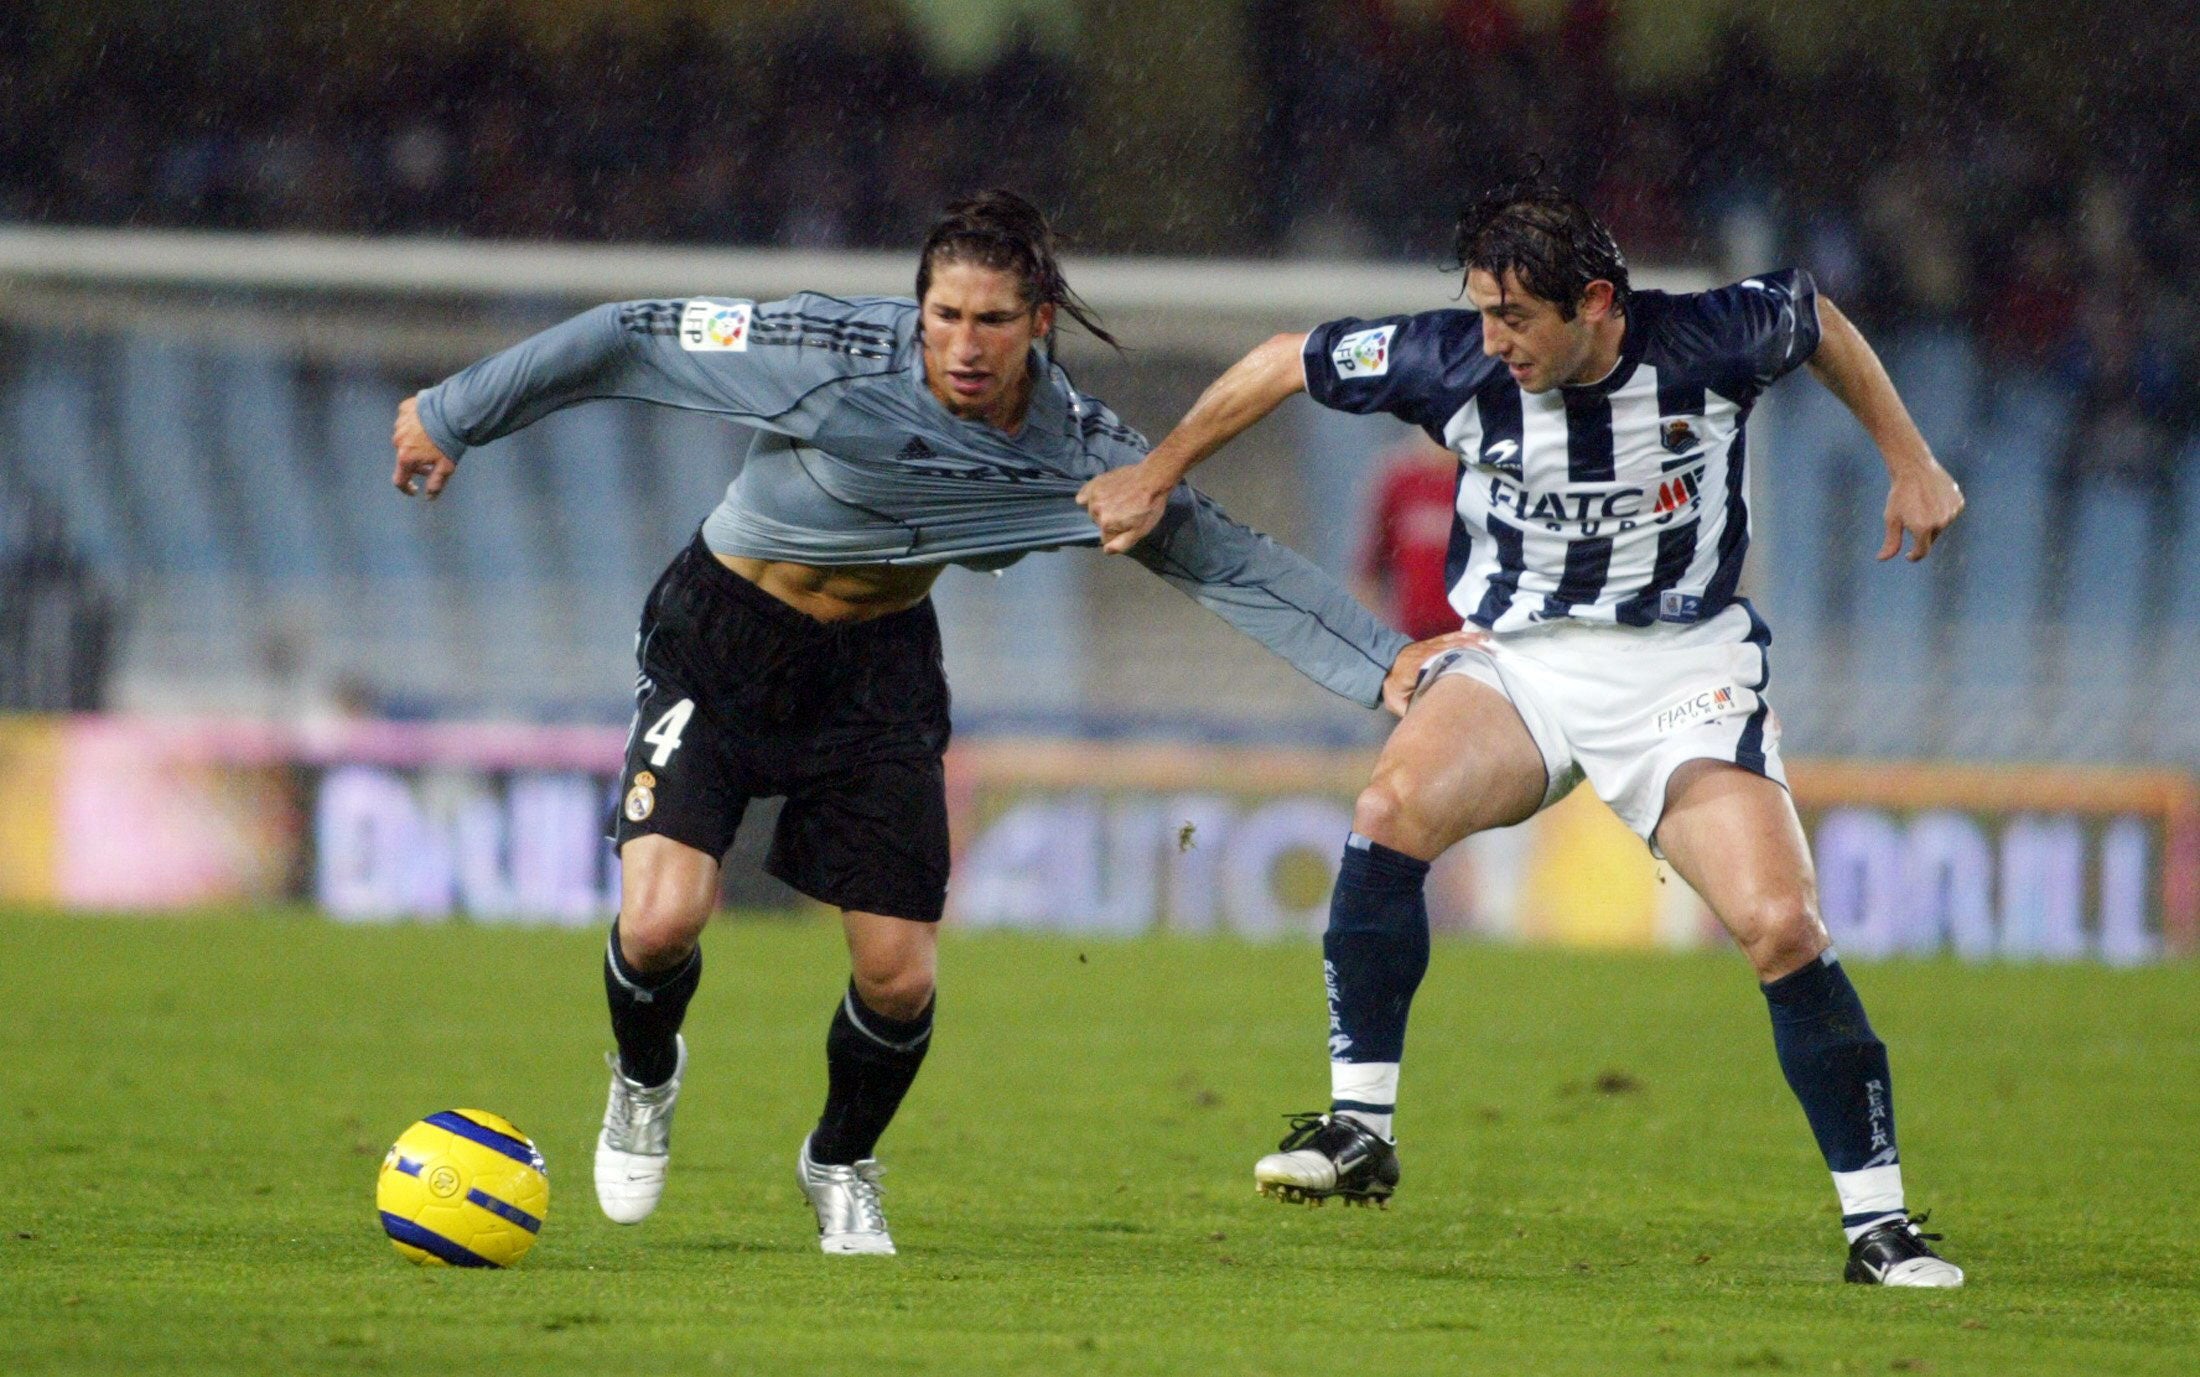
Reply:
x=1625, y=706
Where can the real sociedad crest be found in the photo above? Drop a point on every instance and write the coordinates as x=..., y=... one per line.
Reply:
x=1678, y=436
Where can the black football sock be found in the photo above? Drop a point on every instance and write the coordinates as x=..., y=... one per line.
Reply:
x=1373, y=957
x=1838, y=1068
x=646, y=1012
x=870, y=1061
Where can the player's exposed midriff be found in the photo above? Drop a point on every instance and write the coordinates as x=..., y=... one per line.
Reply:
x=838, y=593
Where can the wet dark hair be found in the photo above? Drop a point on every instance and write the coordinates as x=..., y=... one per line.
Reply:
x=1541, y=233
x=1000, y=230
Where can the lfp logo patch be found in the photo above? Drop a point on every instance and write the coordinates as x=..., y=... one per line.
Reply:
x=1364, y=353
x=715, y=326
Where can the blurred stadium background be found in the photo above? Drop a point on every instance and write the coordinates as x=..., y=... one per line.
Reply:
x=235, y=667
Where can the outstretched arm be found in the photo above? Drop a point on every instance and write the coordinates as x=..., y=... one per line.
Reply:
x=1127, y=502
x=1287, y=604
x=700, y=354
x=581, y=358
x=1922, y=499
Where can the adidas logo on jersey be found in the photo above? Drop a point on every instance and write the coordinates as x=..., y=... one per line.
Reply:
x=919, y=457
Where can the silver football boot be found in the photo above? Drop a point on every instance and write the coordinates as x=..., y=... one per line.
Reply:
x=634, y=1151
x=850, y=1219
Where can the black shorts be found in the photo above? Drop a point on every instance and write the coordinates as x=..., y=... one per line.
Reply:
x=742, y=696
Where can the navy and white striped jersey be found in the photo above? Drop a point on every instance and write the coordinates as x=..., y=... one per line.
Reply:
x=1616, y=501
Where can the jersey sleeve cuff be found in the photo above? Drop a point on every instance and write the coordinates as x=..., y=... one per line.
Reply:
x=1388, y=648
x=1808, y=327
x=430, y=408
x=1314, y=378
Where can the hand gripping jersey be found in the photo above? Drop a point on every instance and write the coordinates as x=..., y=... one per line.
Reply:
x=856, y=462
x=1616, y=501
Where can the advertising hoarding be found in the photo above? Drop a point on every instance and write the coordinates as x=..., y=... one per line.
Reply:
x=504, y=823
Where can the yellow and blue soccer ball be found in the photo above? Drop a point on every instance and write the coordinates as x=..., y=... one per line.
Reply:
x=463, y=1188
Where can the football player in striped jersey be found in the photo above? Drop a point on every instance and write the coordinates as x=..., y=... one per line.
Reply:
x=1600, y=526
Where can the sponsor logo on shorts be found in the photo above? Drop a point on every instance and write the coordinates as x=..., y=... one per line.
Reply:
x=715, y=326
x=1707, y=706
x=1364, y=353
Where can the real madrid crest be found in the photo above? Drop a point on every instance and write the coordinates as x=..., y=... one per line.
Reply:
x=641, y=800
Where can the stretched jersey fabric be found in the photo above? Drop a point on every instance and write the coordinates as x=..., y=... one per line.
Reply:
x=1616, y=501
x=856, y=462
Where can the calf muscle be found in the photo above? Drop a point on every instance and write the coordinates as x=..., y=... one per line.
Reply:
x=1734, y=837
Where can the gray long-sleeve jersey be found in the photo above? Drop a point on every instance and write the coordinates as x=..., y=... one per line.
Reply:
x=856, y=462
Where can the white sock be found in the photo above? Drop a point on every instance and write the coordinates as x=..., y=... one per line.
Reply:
x=1365, y=1092
x=1869, y=1198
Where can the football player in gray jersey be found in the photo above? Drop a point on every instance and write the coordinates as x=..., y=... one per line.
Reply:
x=791, y=649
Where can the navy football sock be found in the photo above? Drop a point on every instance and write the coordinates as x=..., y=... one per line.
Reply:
x=647, y=1010
x=1373, y=957
x=1838, y=1068
x=870, y=1062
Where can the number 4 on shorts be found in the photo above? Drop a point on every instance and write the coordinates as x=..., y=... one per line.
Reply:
x=665, y=736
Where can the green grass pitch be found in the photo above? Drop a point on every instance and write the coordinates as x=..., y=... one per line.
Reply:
x=1603, y=1170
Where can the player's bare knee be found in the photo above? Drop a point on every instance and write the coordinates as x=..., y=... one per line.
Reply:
x=657, y=937
x=1386, y=813
x=898, y=992
x=659, y=923
x=1375, y=814
x=1394, y=810
x=1782, y=934
x=666, y=894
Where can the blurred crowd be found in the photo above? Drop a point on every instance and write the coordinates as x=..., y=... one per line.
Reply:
x=2050, y=228
x=837, y=129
